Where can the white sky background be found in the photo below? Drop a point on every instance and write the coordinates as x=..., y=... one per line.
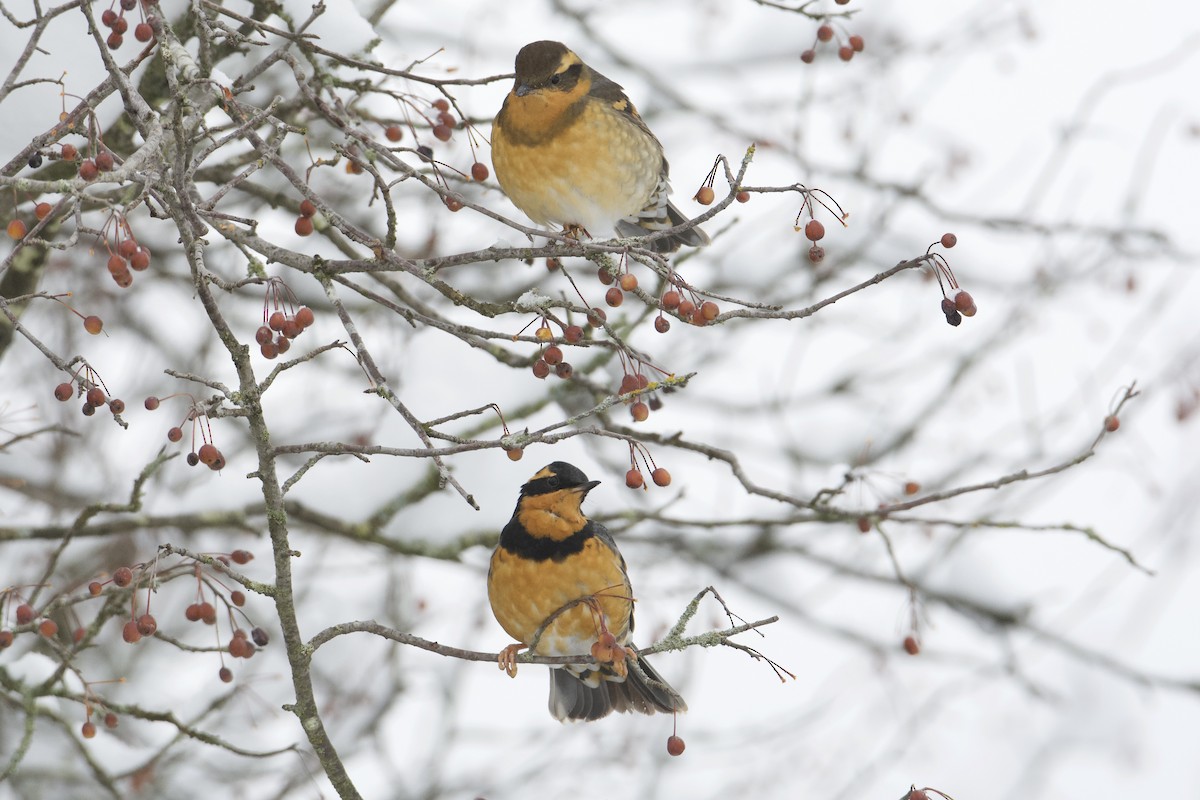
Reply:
x=981, y=138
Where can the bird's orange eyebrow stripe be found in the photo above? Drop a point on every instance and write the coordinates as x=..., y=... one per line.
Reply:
x=543, y=473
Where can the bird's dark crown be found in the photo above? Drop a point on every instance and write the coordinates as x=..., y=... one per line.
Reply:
x=555, y=477
x=537, y=61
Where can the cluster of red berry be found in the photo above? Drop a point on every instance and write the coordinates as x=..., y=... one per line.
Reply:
x=634, y=478
x=207, y=454
x=551, y=357
x=91, y=384
x=117, y=24
x=825, y=33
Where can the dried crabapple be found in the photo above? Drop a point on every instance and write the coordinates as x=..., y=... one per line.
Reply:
x=639, y=411
x=824, y=33
x=614, y=297
x=479, y=172
x=949, y=240
x=675, y=745
x=147, y=625
x=130, y=633
x=48, y=628
x=93, y=324
x=705, y=195
x=634, y=479
x=514, y=454
x=88, y=730
x=304, y=316
x=814, y=231
x=540, y=369
x=64, y=391
x=394, y=133
x=17, y=229
x=25, y=614
x=307, y=208
x=122, y=576
x=911, y=645
x=143, y=32
x=95, y=396
x=661, y=477
x=553, y=355
x=303, y=226
x=662, y=324
x=42, y=210
x=629, y=282
x=563, y=370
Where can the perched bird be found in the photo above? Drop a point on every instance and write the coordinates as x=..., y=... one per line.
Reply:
x=557, y=584
x=570, y=149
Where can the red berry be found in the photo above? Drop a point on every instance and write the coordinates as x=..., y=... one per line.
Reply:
x=95, y=588
x=88, y=170
x=25, y=614
x=675, y=745
x=808, y=56
x=814, y=230
x=614, y=297
x=1112, y=423
x=629, y=282
x=553, y=355
x=110, y=720
x=845, y=52
x=226, y=675
x=207, y=453
x=108, y=18
x=671, y=299
x=69, y=152
x=479, y=172
x=88, y=409
x=174, y=434
x=573, y=333
x=123, y=279
x=660, y=477
x=127, y=248
x=64, y=391
x=864, y=524
x=307, y=208
x=394, y=133
x=709, y=310
x=441, y=132
x=95, y=396
x=563, y=370
x=143, y=32
x=454, y=204
x=263, y=335
x=686, y=308
x=116, y=264
x=965, y=304
x=604, y=276
x=911, y=645
x=17, y=229
x=540, y=369
x=742, y=196
x=276, y=320
x=639, y=411
x=269, y=350
x=241, y=556
x=856, y=42
x=122, y=576
x=514, y=454
x=88, y=730
x=662, y=324
x=816, y=254
x=147, y=625
x=93, y=324
x=104, y=159
x=130, y=633
x=705, y=195
x=304, y=317
x=42, y=210
x=949, y=240
x=116, y=405
x=6, y=639
x=597, y=318
x=634, y=479
x=911, y=487
x=441, y=104
x=192, y=612
x=824, y=33
x=208, y=613
x=303, y=226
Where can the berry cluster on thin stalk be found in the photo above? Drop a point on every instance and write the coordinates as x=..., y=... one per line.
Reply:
x=814, y=229
x=207, y=454
x=88, y=382
x=114, y=19
x=847, y=44
x=23, y=617
x=125, y=253
x=634, y=478
x=643, y=393
x=956, y=302
x=283, y=319
x=550, y=357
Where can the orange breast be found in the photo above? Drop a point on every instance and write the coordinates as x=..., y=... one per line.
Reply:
x=591, y=173
x=524, y=593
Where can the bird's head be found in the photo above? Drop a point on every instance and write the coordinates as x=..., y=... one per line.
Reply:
x=547, y=68
x=550, y=501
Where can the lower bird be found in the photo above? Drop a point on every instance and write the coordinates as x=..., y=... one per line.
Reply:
x=558, y=585
x=570, y=149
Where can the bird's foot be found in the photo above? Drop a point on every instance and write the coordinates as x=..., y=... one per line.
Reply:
x=508, y=659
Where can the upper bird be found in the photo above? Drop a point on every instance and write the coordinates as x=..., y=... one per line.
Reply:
x=558, y=584
x=570, y=149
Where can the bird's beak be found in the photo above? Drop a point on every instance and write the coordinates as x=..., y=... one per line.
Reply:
x=583, y=489
x=522, y=89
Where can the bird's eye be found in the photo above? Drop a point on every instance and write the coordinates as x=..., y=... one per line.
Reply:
x=552, y=482
x=554, y=81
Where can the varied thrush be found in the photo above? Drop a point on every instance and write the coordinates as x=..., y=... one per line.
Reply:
x=558, y=585
x=570, y=149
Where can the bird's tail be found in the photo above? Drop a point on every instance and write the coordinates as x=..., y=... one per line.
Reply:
x=643, y=690
x=640, y=226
